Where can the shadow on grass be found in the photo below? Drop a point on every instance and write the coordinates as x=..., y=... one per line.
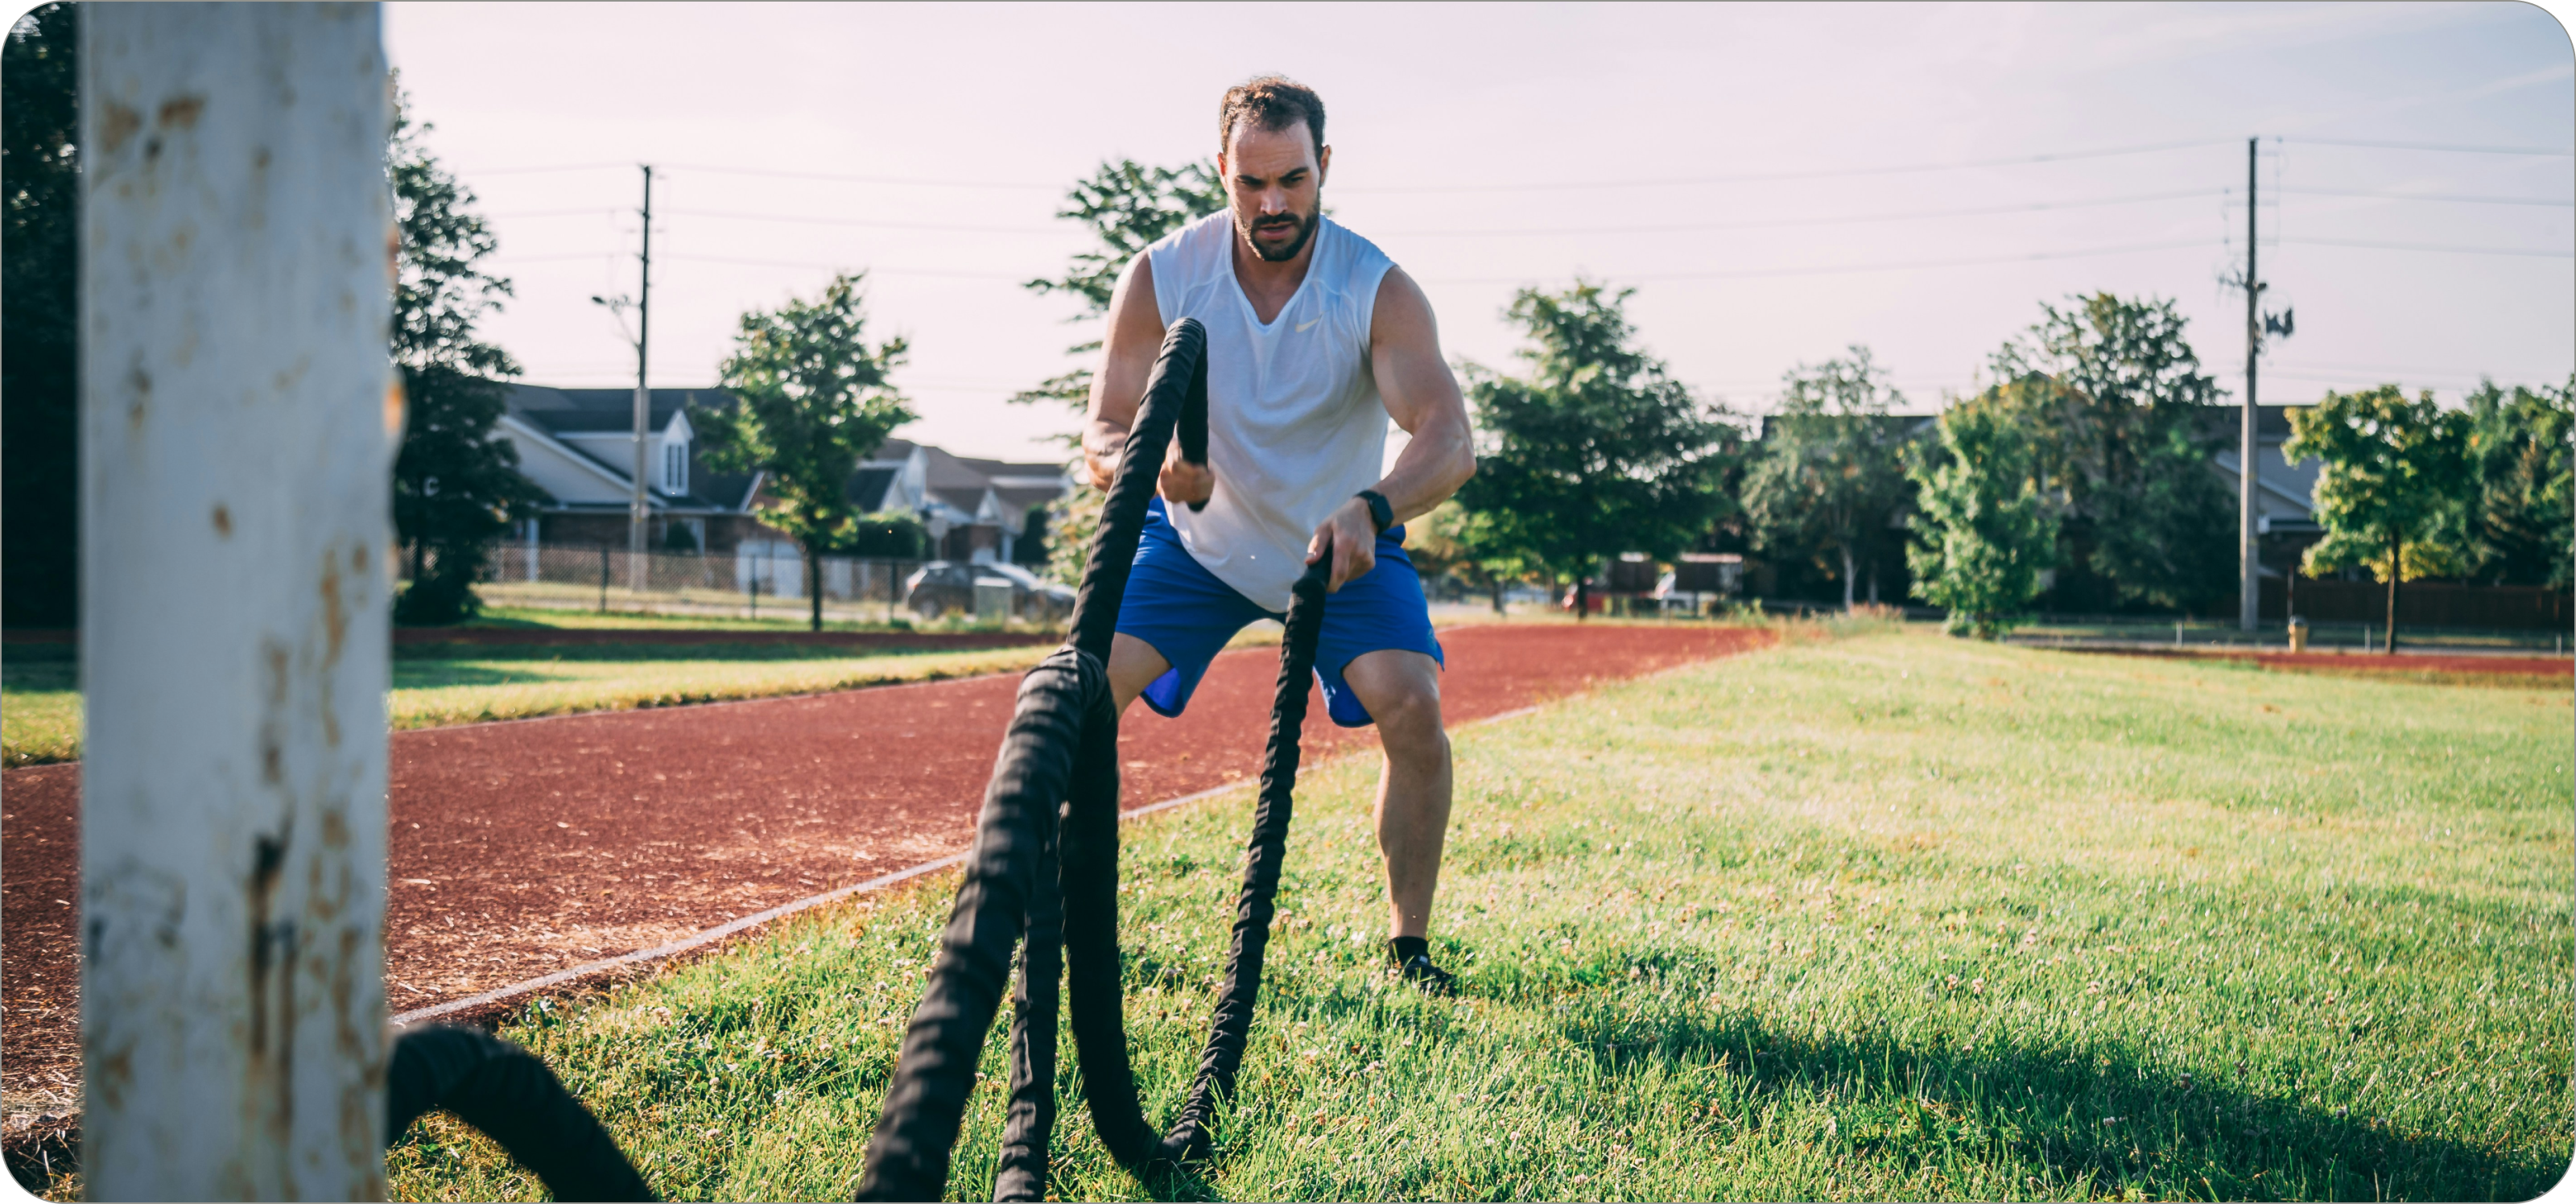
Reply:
x=2095, y=1121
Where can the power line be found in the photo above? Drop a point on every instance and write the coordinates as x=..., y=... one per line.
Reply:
x=1848, y=269
x=1809, y=174
x=2430, y=196
x=2437, y=146
x=844, y=267
x=1816, y=174
x=591, y=211
x=1813, y=221
x=2418, y=246
x=534, y=169
x=871, y=223
x=837, y=178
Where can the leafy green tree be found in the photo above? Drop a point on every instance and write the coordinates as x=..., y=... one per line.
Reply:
x=1826, y=478
x=39, y=314
x=893, y=534
x=812, y=402
x=2394, y=494
x=1128, y=205
x=2524, y=514
x=1075, y=520
x=456, y=487
x=2118, y=413
x=1983, y=530
x=1464, y=543
x=1596, y=450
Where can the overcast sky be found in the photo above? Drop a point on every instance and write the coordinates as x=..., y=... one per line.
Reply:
x=1729, y=162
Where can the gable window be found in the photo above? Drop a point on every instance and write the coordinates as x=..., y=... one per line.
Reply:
x=675, y=468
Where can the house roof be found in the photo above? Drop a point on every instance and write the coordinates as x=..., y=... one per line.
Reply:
x=572, y=417
x=870, y=484
x=564, y=413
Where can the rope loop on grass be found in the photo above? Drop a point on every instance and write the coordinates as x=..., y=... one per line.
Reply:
x=509, y=1095
x=1044, y=876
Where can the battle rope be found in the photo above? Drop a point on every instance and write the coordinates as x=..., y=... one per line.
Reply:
x=507, y=1093
x=1044, y=875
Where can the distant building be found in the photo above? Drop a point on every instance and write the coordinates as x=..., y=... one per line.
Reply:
x=578, y=446
x=2285, y=507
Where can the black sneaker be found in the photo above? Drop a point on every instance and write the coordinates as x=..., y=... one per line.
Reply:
x=1432, y=979
x=1411, y=961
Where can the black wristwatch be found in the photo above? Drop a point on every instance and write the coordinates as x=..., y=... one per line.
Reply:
x=1380, y=514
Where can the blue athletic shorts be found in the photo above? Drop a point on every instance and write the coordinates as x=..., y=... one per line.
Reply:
x=1176, y=605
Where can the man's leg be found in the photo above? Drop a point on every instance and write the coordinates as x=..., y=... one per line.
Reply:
x=1401, y=690
x=1133, y=665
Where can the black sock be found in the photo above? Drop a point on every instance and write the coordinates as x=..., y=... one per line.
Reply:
x=1407, y=948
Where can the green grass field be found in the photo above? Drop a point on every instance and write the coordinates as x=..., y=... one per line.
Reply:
x=1887, y=916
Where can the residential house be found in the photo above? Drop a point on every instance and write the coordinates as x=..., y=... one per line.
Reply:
x=578, y=446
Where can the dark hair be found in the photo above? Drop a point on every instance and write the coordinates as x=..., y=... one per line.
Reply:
x=1271, y=102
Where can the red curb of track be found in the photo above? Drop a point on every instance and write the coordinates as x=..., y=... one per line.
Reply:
x=521, y=849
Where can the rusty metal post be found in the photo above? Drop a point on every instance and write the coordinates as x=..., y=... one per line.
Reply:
x=239, y=420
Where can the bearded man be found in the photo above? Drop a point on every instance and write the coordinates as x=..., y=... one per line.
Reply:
x=1315, y=339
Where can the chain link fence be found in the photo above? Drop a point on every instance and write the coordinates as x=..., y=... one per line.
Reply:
x=761, y=577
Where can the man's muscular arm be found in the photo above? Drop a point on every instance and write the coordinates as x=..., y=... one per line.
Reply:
x=1127, y=356
x=1422, y=396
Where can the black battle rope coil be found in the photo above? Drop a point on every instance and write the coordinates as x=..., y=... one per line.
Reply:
x=1044, y=875
x=507, y=1093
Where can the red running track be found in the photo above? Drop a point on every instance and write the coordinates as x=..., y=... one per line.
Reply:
x=521, y=848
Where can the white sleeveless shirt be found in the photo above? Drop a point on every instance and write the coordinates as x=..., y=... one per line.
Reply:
x=1295, y=424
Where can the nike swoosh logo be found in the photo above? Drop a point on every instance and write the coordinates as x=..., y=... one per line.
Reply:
x=1310, y=325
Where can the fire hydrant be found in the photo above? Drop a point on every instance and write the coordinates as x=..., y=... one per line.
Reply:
x=2298, y=634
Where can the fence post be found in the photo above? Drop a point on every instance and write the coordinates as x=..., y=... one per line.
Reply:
x=603, y=578
x=235, y=296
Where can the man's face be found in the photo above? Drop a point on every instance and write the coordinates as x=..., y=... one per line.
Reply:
x=1276, y=181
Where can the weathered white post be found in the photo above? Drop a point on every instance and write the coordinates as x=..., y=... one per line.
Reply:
x=239, y=418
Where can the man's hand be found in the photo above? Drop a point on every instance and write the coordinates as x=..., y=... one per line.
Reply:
x=1184, y=483
x=1350, y=538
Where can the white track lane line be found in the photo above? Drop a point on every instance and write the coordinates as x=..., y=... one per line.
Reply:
x=692, y=941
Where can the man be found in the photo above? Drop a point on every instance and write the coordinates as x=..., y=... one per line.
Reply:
x=1314, y=340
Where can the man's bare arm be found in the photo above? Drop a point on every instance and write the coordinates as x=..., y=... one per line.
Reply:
x=1127, y=356
x=1422, y=396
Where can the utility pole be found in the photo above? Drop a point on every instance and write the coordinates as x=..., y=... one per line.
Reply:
x=2247, y=466
x=235, y=292
x=640, y=511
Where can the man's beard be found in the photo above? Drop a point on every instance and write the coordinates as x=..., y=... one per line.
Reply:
x=1305, y=231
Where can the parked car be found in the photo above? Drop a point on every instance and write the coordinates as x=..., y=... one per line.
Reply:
x=944, y=586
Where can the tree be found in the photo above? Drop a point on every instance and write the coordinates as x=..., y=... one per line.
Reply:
x=2393, y=496
x=2118, y=413
x=39, y=320
x=456, y=487
x=2518, y=441
x=1983, y=530
x=1129, y=205
x=1597, y=450
x=892, y=534
x=812, y=402
x=1454, y=539
x=1826, y=478
x=1076, y=521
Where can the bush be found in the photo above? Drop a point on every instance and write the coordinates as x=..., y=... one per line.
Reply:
x=1984, y=531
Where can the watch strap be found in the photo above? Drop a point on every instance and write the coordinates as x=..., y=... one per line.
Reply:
x=1380, y=514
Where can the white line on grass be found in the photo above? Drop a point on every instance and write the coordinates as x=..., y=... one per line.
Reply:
x=721, y=931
